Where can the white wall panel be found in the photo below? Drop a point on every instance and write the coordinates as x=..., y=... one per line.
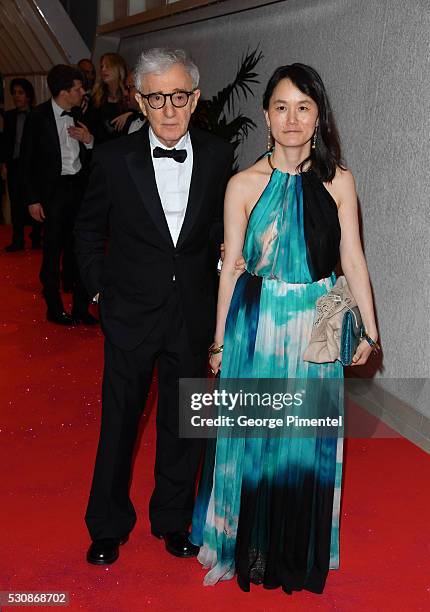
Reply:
x=374, y=59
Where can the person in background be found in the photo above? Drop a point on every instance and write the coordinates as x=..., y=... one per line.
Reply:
x=89, y=72
x=55, y=156
x=137, y=118
x=23, y=96
x=108, y=113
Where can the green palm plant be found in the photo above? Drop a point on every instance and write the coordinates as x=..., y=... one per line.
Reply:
x=211, y=115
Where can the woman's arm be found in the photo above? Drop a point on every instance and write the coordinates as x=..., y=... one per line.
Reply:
x=352, y=259
x=119, y=122
x=235, y=223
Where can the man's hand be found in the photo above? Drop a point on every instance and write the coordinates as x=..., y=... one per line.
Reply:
x=81, y=133
x=3, y=171
x=222, y=251
x=239, y=266
x=36, y=211
x=119, y=122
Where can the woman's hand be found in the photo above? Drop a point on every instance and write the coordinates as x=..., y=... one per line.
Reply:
x=215, y=363
x=362, y=354
x=119, y=122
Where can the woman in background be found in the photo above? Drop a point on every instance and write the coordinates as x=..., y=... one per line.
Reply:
x=268, y=507
x=108, y=112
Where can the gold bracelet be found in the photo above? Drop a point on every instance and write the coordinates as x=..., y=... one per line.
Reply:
x=214, y=349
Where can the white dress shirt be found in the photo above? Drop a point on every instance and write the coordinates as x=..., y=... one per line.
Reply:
x=70, y=162
x=173, y=182
x=135, y=125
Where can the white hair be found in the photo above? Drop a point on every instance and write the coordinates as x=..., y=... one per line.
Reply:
x=160, y=60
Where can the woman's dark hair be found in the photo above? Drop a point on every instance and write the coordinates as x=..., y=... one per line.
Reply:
x=26, y=86
x=61, y=78
x=326, y=156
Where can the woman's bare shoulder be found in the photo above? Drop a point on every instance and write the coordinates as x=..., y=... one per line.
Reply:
x=342, y=186
x=249, y=179
x=343, y=179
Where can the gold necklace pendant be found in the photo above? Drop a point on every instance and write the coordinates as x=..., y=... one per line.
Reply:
x=269, y=159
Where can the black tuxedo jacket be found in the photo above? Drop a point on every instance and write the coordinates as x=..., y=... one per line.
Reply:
x=134, y=275
x=9, y=133
x=41, y=155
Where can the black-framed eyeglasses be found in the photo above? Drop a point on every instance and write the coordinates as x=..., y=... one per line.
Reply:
x=179, y=99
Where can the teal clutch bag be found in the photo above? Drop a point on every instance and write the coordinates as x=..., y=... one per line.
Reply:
x=337, y=329
x=351, y=335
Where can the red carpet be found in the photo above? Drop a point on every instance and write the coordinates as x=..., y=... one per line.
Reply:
x=50, y=390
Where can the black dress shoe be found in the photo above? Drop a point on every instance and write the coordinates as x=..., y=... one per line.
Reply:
x=15, y=246
x=85, y=317
x=177, y=543
x=60, y=318
x=105, y=551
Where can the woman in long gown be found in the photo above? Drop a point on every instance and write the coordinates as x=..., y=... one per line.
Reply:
x=268, y=508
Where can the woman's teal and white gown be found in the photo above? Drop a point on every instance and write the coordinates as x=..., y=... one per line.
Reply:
x=268, y=508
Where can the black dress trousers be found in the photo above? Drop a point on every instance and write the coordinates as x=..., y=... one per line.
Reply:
x=19, y=211
x=60, y=214
x=126, y=382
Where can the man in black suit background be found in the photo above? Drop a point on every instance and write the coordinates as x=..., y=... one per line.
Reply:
x=158, y=194
x=55, y=156
x=22, y=93
x=88, y=70
x=136, y=120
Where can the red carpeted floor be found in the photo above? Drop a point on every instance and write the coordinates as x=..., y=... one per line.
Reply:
x=50, y=394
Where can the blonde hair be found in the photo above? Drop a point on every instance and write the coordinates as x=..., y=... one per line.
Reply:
x=100, y=92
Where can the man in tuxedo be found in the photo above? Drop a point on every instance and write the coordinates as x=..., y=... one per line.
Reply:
x=137, y=118
x=55, y=156
x=88, y=69
x=22, y=93
x=158, y=194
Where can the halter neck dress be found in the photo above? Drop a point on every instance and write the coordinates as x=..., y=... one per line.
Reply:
x=267, y=509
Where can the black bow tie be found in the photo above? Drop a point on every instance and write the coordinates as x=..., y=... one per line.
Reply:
x=66, y=113
x=179, y=155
